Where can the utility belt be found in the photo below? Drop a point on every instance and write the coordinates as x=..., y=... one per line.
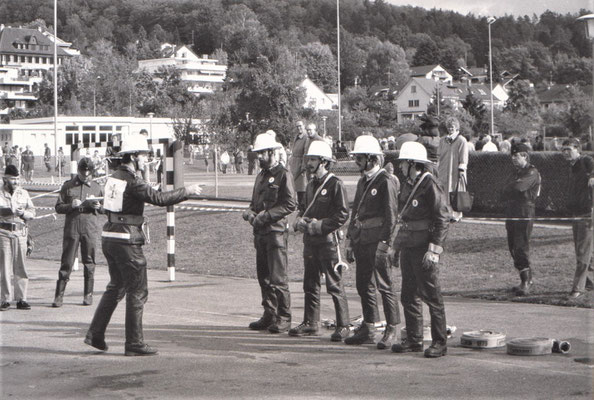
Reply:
x=12, y=226
x=416, y=225
x=126, y=219
x=369, y=223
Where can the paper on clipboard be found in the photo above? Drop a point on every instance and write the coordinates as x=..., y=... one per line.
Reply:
x=114, y=194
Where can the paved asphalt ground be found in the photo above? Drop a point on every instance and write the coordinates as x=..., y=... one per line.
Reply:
x=199, y=324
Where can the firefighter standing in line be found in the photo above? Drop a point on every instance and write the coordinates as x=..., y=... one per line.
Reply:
x=273, y=199
x=424, y=219
x=323, y=211
x=122, y=240
x=371, y=233
x=520, y=193
x=80, y=228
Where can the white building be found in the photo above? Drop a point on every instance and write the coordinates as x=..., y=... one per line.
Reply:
x=16, y=89
x=435, y=72
x=204, y=74
x=316, y=98
x=82, y=130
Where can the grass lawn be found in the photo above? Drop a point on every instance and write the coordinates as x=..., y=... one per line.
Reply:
x=476, y=262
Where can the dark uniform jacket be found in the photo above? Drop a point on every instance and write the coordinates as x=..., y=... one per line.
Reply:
x=431, y=143
x=273, y=193
x=83, y=219
x=331, y=207
x=521, y=191
x=126, y=226
x=375, y=220
x=427, y=216
x=579, y=200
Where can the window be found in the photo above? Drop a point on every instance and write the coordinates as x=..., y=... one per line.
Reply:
x=413, y=89
x=413, y=103
x=88, y=128
x=71, y=128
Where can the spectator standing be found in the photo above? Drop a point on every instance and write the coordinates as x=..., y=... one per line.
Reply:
x=60, y=162
x=16, y=208
x=122, y=241
x=297, y=164
x=239, y=156
x=420, y=239
x=252, y=157
x=28, y=159
x=538, y=144
x=371, y=233
x=505, y=145
x=191, y=153
x=324, y=210
x=579, y=203
x=273, y=200
x=80, y=228
x=47, y=157
x=225, y=160
x=519, y=194
x=97, y=164
x=488, y=145
x=430, y=137
x=453, y=159
x=6, y=152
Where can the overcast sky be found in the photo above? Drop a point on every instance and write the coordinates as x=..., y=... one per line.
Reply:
x=501, y=7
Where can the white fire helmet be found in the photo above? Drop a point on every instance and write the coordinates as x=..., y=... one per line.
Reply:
x=134, y=143
x=265, y=142
x=413, y=151
x=367, y=144
x=320, y=148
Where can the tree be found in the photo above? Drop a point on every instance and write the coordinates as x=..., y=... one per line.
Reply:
x=522, y=100
x=386, y=65
x=320, y=65
x=578, y=117
x=427, y=54
x=476, y=108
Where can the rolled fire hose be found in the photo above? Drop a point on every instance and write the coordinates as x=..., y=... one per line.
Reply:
x=530, y=346
x=482, y=339
x=561, y=346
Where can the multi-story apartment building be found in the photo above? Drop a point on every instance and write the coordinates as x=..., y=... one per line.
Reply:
x=203, y=74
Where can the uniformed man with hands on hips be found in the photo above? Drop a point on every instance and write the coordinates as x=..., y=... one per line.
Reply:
x=122, y=240
x=324, y=210
x=80, y=200
x=519, y=194
x=273, y=199
x=423, y=218
x=16, y=208
x=370, y=236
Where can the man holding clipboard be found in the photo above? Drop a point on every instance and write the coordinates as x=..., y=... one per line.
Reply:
x=80, y=200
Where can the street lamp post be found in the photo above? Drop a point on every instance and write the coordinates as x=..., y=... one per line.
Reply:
x=95, y=97
x=324, y=118
x=589, y=22
x=151, y=125
x=490, y=21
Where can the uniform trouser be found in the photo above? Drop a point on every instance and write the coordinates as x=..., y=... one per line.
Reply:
x=13, y=248
x=518, y=241
x=127, y=273
x=320, y=259
x=70, y=245
x=368, y=277
x=419, y=284
x=582, y=238
x=271, y=268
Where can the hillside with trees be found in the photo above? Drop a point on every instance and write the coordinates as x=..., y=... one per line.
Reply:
x=270, y=46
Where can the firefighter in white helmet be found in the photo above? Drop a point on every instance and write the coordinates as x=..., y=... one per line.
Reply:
x=371, y=233
x=324, y=210
x=273, y=200
x=424, y=219
x=122, y=240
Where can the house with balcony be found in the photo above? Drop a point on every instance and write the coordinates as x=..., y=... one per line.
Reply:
x=434, y=72
x=203, y=74
x=16, y=90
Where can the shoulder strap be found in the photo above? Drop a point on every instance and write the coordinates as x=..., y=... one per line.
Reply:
x=412, y=193
x=330, y=175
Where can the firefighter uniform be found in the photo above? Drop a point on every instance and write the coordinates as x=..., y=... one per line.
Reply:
x=273, y=198
x=424, y=225
x=80, y=228
x=122, y=240
x=519, y=194
x=320, y=255
x=373, y=223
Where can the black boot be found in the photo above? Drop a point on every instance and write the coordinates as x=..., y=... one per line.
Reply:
x=524, y=288
x=364, y=335
x=388, y=338
x=59, y=296
x=89, y=284
x=263, y=323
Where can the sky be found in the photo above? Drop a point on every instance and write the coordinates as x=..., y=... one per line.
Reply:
x=499, y=8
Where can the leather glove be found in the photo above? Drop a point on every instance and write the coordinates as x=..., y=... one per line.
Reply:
x=314, y=227
x=430, y=260
x=249, y=216
x=382, y=255
x=300, y=225
x=260, y=220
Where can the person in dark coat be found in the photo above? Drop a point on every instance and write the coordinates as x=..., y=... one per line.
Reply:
x=430, y=136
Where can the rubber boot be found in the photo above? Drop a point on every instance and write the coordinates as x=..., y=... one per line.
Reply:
x=365, y=335
x=59, y=296
x=89, y=284
x=526, y=277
